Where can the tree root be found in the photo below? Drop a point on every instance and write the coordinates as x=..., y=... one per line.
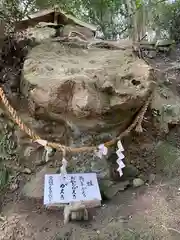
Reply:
x=137, y=121
x=139, y=128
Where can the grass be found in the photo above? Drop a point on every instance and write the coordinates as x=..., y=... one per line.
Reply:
x=7, y=150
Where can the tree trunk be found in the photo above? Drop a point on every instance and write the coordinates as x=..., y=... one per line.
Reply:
x=137, y=20
x=140, y=22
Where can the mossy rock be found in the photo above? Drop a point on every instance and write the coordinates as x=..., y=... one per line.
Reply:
x=109, y=188
x=129, y=172
x=4, y=178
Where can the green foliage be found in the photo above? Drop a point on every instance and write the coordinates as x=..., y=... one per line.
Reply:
x=4, y=177
x=166, y=16
x=104, y=13
x=7, y=153
x=172, y=12
x=4, y=155
x=11, y=10
x=138, y=3
x=112, y=16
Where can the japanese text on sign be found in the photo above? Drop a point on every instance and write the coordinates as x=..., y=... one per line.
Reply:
x=72, y=188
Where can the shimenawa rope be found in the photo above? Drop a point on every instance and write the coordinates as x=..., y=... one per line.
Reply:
x=136, y=123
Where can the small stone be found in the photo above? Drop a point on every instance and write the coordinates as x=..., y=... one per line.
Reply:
x=28, y=151
x=49, y=68
x=129, y=172
x=27, y=171
x=144, y=177
x=152, y=54
x=2, y=218
x=137, y=182
x=13, y=187
x=109, y=189
x=152, y=178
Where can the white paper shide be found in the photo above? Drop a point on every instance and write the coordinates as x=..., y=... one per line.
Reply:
x=121, y=156
x=102, y=151
x=63, y=168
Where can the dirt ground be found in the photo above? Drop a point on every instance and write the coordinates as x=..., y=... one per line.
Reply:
x=149, y=212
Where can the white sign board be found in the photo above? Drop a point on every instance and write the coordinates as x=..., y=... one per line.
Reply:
x=71, y=188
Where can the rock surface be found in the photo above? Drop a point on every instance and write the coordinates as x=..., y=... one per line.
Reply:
x=35, y=187
x=138, y=182
x=166, y=101
x=166, y=107
x=37, y=34
x=89, y=84
x=89, y=92
x=109, y=189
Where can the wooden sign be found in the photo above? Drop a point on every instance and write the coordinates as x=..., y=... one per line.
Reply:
x=69, y=188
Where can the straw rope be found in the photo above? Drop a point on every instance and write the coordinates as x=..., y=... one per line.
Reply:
x=136, y=123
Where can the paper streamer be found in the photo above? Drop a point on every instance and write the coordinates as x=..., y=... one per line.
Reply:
x=102, y=151
x=48, y=151
x=120, y=146
x=121, y=156
x=64, y=167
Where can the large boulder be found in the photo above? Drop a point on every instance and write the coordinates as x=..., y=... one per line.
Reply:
x=87, y=84
x=93, y=91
